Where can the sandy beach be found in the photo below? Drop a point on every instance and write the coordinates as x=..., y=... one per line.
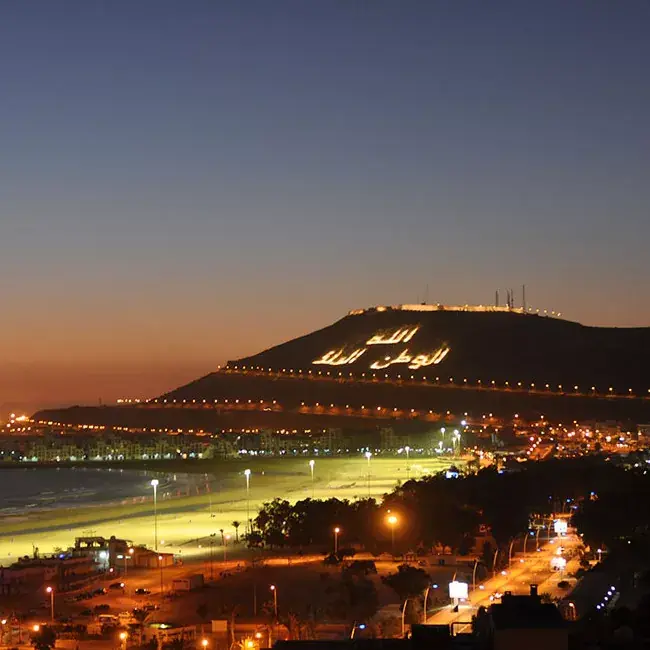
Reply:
x=185, y=521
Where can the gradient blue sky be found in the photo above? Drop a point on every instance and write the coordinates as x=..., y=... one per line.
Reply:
x=186, y=182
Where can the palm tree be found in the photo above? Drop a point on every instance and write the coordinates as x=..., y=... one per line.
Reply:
x=140, y=615
x=236, y=525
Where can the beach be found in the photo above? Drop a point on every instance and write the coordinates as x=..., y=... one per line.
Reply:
x=191, y=507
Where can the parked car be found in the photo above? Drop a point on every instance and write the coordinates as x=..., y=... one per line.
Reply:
x=99, y=592
x=141, y=591
x=116, y=585
x=86, y=612
x=101, y=609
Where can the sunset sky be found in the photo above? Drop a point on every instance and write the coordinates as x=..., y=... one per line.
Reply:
x=183, y=183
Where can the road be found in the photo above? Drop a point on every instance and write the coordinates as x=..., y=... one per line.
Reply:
x=533, y=568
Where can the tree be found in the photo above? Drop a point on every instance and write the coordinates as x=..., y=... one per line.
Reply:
x=236, y=525
x=254, y=540
x=273, y=520
x=140, y=615
x=407, y=582
x=44, y=639
x=361, y=568
x=354, y=598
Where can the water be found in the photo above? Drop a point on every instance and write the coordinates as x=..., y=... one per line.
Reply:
x=25, y=490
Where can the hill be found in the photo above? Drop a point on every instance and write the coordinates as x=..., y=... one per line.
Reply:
x=414, y=362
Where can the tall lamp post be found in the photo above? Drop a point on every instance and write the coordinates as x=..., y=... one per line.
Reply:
x=154, y=485
x=311, y=467
x=160, y=564
x=247, y=474
x=127, y=556
x=407, y=449
x=392, y=522
x=406, y=602
x=50, y=590
x=274, y=589
x=337, y=530
x=426, y=598
x=368, y=455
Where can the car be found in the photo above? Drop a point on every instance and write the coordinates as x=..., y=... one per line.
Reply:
x=141, y=591
x=150, y=607
x=99, y=592
x=86, y=612
x=116, y=585
x=102, y=609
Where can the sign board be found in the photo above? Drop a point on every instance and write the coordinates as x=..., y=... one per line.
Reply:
x=561, y=527
x=219, y=626
x=458, y=589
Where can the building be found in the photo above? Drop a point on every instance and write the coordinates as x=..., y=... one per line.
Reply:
x=523, y=622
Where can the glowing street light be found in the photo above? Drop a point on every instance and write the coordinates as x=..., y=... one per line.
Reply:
x=160, y=564
x=154, y=485
x=368, y=455
x=407, y=449
x=50, y=590
x=311, y=467
x=337, y=530
x=274, y=589
x=204, y=643
x=392, y=522
x=247, y=474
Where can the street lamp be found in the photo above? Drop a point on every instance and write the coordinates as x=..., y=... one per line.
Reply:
x=160, y=564
x=50, y=590
x=123, y=637
x=274, y=589
x=154, y=485
x=474, y=575
x=403, y=616
x=311, y=467
x=204, y=643
x=247, y=474
x=368, y=455
x=426, y=598
x=407, y=449
x=129, y=557
x=337, y=530
x=512, y=543
x=392, y=522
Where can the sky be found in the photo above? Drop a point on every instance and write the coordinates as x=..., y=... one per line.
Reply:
x=183, y=183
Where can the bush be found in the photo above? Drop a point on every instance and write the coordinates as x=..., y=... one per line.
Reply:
x=564, y=584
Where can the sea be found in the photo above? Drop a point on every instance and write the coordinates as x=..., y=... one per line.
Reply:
x=28, y=489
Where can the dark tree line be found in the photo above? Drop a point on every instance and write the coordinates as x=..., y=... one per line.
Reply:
x=609, y=503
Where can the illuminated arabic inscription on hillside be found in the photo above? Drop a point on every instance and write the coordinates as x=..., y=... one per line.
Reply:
x=339, y=357
x=400, y=335
x=414, y=361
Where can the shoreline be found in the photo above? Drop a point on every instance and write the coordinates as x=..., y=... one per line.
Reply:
x=184, y=520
